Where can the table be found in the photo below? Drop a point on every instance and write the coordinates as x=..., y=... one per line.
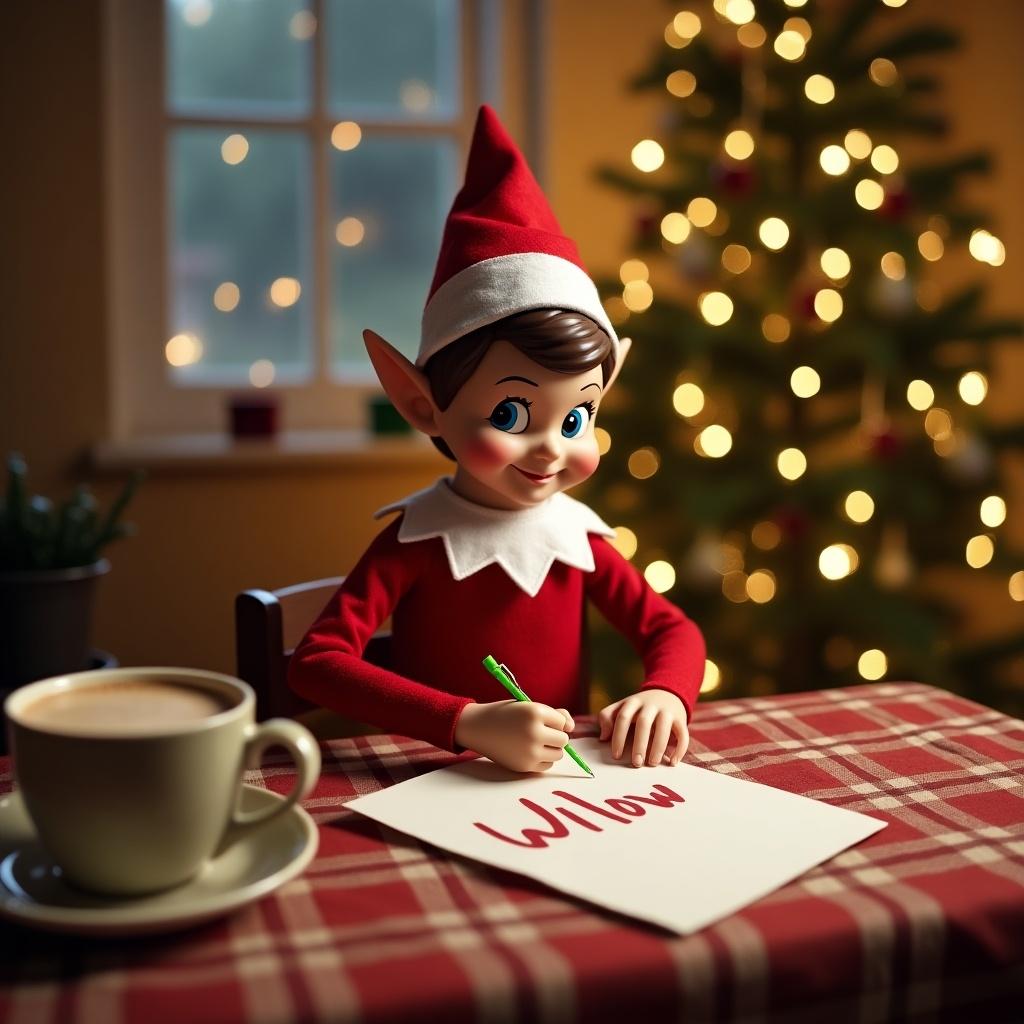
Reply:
x=923, y=921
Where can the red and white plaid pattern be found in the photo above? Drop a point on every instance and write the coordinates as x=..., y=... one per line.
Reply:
x=922, y=921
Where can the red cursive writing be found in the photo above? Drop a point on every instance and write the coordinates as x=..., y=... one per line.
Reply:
x=628, y=808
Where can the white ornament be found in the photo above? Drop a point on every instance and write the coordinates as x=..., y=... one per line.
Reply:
x=695, y=257
x=971, y=462
x=704, y=562
x=893, y=297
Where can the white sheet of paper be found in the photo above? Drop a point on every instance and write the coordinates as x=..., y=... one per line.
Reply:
x=680, y=847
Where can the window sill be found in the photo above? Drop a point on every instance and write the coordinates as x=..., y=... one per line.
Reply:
x=291, y=449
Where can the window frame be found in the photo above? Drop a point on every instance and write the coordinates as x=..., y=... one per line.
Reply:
x=145, y=400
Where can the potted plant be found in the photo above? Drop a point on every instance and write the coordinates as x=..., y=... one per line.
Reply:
x=50, y=559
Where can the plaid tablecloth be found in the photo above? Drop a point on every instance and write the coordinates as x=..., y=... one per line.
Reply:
x=923, y=921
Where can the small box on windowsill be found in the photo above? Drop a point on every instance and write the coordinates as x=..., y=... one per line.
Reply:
x=385, y=419
x=253, y=417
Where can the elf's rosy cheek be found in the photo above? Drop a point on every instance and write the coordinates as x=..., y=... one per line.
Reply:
x=488, y=452
x=585, y=460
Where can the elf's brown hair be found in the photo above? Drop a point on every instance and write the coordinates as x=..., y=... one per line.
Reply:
x=559, y=340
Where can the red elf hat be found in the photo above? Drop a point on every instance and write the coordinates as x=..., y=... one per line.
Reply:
x=502, y=251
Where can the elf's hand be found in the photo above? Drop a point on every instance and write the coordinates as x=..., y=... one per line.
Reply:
x=520, y=735
x=658, y=719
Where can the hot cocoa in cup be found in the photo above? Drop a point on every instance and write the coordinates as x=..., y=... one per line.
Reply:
x=124, y=707
x=131, y=776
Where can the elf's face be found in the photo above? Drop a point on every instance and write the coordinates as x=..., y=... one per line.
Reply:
x=520, y=432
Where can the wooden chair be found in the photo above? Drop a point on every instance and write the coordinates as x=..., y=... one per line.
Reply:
x=268, y=626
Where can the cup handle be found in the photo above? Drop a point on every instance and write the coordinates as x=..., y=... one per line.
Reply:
x=300, y=744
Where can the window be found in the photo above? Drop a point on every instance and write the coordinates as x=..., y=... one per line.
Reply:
x=280, y=172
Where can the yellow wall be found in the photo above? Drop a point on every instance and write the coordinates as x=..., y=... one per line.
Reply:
x=203, y=536
x=53, y=380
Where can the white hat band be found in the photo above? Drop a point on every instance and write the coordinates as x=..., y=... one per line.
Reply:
x=492, y=289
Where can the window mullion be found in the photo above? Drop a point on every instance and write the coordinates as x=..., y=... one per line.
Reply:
x=321, y=206
x=311, y=398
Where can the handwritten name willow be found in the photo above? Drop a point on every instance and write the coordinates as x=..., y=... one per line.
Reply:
x=628, y=808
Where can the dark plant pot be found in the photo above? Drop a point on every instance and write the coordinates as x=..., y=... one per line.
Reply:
x=45, y=619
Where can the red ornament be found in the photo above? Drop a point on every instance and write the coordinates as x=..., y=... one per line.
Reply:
x=895, y=204
x=887, y=445
x=802, y=304
x=733, y=57
x=793, y=521
x=735, y=179
x=646, y=226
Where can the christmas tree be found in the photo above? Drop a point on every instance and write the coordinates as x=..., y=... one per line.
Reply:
x=800, y=436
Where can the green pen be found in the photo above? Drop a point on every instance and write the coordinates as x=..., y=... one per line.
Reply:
x=505, y=677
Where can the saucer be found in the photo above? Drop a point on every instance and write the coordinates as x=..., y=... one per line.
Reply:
x=33, y=893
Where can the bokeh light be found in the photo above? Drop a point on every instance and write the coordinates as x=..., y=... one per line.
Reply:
x=647, y=156
x=285, y=291
x=183, y=349
x=920, y=395
x=739, y=144
x=819, y=89
x=805, y=382
x=774, y=233
x=993, y=511
x=675, y=227
x=859, y=506
x=980, y=550
x=234, y=149
x=775, y=328
x=624, y=541
x=791, y=463
x=227, y=296
x=828, y=304
x=857, y=143
x=834, y=160
x=714, y=441
x=835, y=263
x=838, y=561
x=346, y=135
x=660, y=575
x=973, y=387
x=715, y=307
x=872, y=664
x=643, y=463
x=688, y=399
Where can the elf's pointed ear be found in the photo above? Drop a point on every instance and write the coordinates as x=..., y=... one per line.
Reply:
x=624, y=347
x=406, y=386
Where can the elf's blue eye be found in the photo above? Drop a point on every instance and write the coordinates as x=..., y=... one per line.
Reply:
x=576, y=422
x=512, y=416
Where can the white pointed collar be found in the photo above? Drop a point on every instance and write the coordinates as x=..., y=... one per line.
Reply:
x=524, y=542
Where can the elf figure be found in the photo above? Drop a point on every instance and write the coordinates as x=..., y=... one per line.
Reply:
x=515, y=357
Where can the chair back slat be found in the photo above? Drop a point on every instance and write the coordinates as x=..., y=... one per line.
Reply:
x=300, y=606
x=268, y=626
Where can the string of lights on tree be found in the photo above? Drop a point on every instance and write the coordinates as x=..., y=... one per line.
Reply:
x=802, y=393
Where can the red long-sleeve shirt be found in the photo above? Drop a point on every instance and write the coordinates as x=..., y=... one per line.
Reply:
x=442, y=628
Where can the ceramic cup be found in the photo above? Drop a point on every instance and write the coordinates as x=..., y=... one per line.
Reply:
x=130, y=795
